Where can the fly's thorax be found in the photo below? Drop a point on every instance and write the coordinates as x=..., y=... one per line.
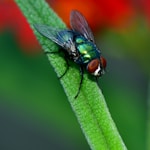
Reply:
x=79, y=40
x=87, y=50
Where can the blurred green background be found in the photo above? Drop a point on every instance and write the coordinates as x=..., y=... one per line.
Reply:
x=34, y=110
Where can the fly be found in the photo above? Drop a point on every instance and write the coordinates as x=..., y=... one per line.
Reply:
x=78, y=44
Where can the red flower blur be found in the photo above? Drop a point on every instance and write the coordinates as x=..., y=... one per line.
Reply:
x=12, y=19
x=99, y=13
x=116, y=14
x=146, y=10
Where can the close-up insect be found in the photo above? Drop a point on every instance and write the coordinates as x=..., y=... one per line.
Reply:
x=78, y=45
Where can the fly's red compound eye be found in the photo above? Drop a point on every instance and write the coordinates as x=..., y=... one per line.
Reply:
x=103, y=62
x=93, y=65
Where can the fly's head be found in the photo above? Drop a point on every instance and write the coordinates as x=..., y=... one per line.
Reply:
x=97, y=66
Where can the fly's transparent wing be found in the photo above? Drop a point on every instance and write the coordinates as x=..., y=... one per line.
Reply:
x=79, y=23
x=62, y=37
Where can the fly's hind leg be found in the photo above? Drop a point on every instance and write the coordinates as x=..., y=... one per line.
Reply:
x=81, y=81
x=55, y=52
x=67, y=68
x=66, y=59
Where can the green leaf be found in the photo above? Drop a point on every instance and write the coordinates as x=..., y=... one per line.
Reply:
x=89, y=107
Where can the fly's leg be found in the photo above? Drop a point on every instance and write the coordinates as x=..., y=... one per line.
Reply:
x=96, y=78
x=66, y=59
x=81, y=73
x=55, y=52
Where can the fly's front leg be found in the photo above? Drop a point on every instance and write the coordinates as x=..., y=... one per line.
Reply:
x=96, y=78
x=81, y=73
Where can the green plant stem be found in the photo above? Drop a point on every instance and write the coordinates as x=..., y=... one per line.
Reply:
x=89, y=107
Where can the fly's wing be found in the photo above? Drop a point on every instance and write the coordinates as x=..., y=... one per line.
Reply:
x=79, y=24
x=62, y=37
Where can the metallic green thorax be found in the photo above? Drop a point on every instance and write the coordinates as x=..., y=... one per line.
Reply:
x=87, y=50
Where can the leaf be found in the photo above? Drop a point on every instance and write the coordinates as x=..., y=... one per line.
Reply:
x=90, y=107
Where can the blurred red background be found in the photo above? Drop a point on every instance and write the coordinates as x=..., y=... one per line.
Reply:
x=119, y=15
